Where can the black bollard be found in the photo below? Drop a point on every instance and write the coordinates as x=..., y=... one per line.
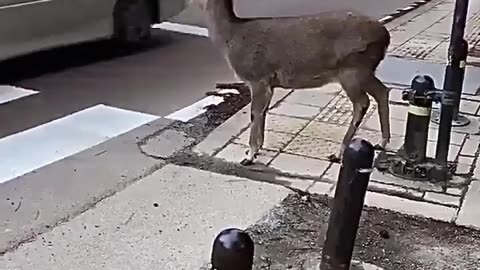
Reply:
x=418, y=118
x=452, y=89
x=348, y=205
x=233, y=249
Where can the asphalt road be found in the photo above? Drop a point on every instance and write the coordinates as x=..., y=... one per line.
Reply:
x=158, y=79
x=271, y=8
x=374, y=8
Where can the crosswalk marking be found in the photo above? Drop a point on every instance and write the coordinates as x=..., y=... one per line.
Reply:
x=182, y=28
x=45, y=144
x=10, y=93
x=196, y=109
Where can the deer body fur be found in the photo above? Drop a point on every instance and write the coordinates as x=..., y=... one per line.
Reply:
x=303, y=52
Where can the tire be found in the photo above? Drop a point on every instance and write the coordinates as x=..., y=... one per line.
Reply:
x=132, y=21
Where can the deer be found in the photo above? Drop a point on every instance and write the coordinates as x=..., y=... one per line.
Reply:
x=302, y=52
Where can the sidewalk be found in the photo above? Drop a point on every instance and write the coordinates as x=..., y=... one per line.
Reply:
x=167, y=220
x=426, y=35
x=304, y=127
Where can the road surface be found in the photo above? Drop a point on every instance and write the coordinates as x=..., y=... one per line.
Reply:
x=266, y=8
x=56, y=107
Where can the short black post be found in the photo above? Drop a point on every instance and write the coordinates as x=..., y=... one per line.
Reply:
x=233, y=249
x=418, y=118
x=453, y=83
x=348, y=205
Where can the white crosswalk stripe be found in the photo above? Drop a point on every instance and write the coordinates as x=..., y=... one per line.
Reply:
x=42, y=145
x=10, y=93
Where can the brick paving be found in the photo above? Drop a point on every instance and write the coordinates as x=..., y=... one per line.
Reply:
x=426, y=36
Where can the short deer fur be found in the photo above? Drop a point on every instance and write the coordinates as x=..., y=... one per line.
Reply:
x=303, y=52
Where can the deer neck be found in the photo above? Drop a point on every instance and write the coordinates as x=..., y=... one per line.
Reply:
x=222, y=19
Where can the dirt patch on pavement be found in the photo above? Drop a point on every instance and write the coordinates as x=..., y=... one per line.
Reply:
x=293, y=233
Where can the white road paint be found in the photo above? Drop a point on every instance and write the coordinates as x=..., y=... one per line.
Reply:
x=10, y=93
x=195, y=109
x=408, y=8
x=45, y=144
x=182, y=28
x=229, y=91
x=386, y=18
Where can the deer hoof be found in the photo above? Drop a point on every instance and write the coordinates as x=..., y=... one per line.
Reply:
x=333, y=158
x=378, y=147
x=246, y=162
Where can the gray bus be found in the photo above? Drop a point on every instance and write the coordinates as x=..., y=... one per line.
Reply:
x=28, y=26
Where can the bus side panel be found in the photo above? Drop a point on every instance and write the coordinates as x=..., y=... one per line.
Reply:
x=32, y=25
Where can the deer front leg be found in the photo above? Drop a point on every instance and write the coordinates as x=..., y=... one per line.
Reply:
x=261, y=97
x=360, y=106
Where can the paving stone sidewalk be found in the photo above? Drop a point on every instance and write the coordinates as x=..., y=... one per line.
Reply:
x=305, y=126
x=426, y=35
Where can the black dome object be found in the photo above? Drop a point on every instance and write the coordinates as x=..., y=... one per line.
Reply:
x=233, y=249
x=423, y=83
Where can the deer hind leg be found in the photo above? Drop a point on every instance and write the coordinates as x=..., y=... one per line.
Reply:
x=360, y=101
x=380, y=93
x=360, y=107
x=261, y=96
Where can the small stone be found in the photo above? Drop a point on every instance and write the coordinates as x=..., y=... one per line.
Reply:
x=384, y=234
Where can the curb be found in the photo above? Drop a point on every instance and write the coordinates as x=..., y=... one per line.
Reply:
x=402, y=11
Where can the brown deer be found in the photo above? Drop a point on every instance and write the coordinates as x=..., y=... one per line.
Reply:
x=303, y=52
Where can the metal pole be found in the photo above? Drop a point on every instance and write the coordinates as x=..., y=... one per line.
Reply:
x=458, y=119
x=453, y=83
x=233, y=249
x=348, y=205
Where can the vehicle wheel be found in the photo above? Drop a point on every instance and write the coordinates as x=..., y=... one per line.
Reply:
x=132, y=21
